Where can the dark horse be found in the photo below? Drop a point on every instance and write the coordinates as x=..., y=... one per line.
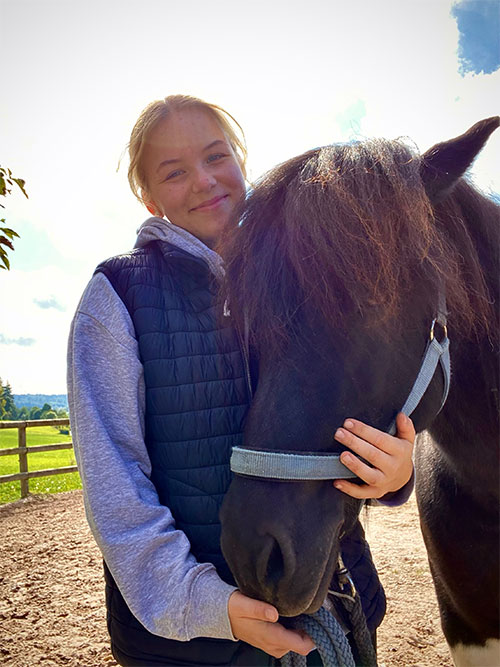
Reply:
x=335, y=273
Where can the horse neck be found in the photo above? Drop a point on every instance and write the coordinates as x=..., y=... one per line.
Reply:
x=466, y=430
x=481, y=218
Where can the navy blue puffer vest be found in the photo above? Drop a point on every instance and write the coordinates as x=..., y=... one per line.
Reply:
x=196, y=387
x=196, y=401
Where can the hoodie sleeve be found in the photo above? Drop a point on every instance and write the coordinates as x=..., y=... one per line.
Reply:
x=170, y=593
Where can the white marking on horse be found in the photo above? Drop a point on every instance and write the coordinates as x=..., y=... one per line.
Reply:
x=477, y=656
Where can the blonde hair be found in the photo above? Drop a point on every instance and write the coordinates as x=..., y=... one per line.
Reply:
x=158, y=111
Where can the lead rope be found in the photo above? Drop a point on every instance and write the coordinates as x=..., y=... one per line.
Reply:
x=326, y=632
x=328, y=635
x=360, y=632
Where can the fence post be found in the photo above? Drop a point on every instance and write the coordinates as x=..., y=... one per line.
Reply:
x=23, y=459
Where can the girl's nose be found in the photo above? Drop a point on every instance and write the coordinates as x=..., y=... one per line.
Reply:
x=203, y=181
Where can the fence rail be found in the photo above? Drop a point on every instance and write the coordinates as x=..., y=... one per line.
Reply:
x=22, y=450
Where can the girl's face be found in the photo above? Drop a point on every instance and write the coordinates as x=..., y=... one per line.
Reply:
x=193, y=176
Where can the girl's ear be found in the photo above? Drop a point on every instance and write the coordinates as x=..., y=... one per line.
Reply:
x=152, y=209
x=150, y=205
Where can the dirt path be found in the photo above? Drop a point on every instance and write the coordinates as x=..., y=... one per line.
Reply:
x=52, y=602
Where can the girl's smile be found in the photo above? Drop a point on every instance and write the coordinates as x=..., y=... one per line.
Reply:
x=210, y=204
x=192, y=173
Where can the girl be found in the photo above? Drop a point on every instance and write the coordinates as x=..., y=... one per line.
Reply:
x=157, y=399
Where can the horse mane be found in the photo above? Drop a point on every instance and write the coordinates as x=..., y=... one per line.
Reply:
x=348, y=228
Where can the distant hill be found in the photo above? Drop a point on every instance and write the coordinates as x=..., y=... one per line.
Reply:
x=56, y=401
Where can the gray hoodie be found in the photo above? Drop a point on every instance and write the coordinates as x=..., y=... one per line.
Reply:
x=170, y=593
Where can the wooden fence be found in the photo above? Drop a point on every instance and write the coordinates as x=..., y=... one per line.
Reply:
x=24, y=475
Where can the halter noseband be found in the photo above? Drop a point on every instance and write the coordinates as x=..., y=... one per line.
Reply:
x=288, y=466
x=314, y=466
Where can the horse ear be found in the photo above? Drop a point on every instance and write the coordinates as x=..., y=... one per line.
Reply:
x=445, y=163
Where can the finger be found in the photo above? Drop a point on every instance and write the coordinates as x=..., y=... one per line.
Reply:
x=365, y=472
x=405, y=427
x=291, y=640
x=278, y=640
x=261, y=611
x=370, y=453
x=247, y=607
x=355, y=491
x=379, y=439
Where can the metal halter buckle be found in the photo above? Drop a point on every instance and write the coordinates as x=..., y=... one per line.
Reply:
x=346, y=582
x=346, y=585
x=443, y=326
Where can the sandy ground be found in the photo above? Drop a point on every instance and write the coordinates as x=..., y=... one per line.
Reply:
x=52, y=601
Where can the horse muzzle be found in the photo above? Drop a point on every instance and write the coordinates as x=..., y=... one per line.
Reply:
x=284, y=557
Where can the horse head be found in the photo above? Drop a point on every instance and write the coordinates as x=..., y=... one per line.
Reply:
x=334, y=276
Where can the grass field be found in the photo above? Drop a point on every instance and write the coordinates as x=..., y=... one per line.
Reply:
x=38, y=435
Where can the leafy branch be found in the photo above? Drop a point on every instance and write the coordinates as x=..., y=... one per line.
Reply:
x=7, y=182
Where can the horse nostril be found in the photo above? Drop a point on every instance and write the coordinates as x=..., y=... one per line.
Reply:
x=271, y=563
x=276, y=562
x=275, y=569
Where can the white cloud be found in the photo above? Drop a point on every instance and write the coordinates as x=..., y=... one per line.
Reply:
x=23, y=342
x=39, y=367
x=51, y=302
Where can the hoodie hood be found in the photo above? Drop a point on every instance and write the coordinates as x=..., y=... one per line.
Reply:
x=160, y=229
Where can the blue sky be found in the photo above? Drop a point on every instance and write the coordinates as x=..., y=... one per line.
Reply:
x=296, y=75
x=478, y=22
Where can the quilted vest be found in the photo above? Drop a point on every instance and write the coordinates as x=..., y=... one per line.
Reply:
x=196, y=386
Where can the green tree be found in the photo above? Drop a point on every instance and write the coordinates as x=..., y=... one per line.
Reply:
x=2, y=402
x=23, y=414
x=9, y=405
x=35, y=413
x=7, y=234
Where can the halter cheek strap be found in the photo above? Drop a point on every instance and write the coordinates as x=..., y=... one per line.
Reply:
x=436, y=352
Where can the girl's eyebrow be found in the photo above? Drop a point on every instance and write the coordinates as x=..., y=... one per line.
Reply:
x=175, y=160
x=214, y=143
x=167, y=162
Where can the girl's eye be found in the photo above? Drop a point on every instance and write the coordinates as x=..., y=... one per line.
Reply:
x=173, y=174
x=215, y=157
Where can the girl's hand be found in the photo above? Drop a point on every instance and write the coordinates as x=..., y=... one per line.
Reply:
x=255, y=622
x=390, y=455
